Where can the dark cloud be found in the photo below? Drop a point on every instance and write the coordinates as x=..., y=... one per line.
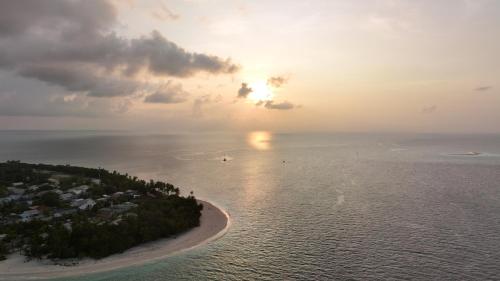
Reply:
x=29, y=16
x=276, y=81
x=75, y=79
x=429, y=109
x=483, y=88
x=244, y=91
x=17, y=99
x=167, y=94
x=280, y=106
x=70, y=44
x=166, y=58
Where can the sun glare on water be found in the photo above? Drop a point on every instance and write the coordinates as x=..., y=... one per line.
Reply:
x=260, y=140
x=260, y=92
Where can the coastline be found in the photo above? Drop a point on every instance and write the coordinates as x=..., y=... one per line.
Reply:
x=213, y=224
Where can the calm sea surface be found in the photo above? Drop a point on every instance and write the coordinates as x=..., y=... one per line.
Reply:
x=310, y=207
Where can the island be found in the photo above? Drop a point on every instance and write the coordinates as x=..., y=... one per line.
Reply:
x=55, y=217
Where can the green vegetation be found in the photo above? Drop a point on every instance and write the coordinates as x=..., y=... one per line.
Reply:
x=50, y=199
x=3, y=191
x=62, y=211
x=15, y=171
x=3, y=251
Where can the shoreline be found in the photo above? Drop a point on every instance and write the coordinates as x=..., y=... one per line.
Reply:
x=214, y=223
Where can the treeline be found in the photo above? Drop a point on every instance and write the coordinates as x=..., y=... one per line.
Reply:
x=156, y=218
x=15, y=171
x=4, y=251
x=160, y=213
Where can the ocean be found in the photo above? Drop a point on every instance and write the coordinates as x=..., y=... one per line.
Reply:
x=309, y=206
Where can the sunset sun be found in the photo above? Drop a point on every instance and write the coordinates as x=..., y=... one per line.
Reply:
x=260, y=92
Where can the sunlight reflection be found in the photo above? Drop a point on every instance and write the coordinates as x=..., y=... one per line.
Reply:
x=260, y=140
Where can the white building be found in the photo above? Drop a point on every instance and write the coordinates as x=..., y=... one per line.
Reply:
x=29, y=215
x=87, y=204
x=67, y=196
x=117, y=194
x=83, y=204
x=79, y=190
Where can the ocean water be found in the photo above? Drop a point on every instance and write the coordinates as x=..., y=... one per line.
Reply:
x=310, y=207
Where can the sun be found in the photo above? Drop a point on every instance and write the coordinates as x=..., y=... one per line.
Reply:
x=260, y=92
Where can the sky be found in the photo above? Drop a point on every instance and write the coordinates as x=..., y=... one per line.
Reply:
x=283, y=66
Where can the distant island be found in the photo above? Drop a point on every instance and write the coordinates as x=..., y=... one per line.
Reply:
x=59, y=212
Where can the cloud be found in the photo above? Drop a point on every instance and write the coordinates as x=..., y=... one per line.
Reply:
x=163, y=57
x=276, y=81
x=168, y=94
x=59, y=104
x=279, y=106
x=198, y=104
x=71, y=44
x=164, y=13
x=26, y=16
x=483, y=88
x=429, y=109
x=244, y=91
x=201, y=101
x=74, y=79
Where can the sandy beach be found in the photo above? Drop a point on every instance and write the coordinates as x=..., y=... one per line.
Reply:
x=214, y=223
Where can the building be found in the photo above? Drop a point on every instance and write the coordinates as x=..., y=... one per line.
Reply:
x=67, y=196
x=79, y=190
x=117, y=194
x=29, y=215
x=15, y=190
x=124, y=207
x=87, y=204
x=83, y=204
x=61, y=213
x=116, y=209
x=57, y=191
x=9, y=199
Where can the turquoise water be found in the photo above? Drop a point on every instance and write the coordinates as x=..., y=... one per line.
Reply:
x=310, y=207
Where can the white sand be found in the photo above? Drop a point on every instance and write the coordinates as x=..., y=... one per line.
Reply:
x=214, y=223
